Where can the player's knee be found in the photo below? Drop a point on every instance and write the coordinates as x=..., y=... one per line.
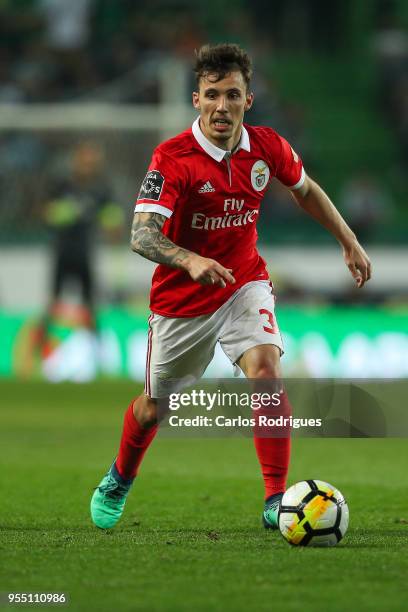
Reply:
x=146, y=412
x=262, y=362
x=268, y=370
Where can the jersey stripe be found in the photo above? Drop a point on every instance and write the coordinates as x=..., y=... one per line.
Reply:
x=155, y=208
x=148, y=356
x=300, y=182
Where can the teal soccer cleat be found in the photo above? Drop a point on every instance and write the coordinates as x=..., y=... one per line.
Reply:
x=109, y=498
x=271, y=511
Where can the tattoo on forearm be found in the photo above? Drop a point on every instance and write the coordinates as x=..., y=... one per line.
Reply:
x=148, y=240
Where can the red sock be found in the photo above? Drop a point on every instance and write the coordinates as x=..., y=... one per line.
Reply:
x=133, y=445
x=273, y=452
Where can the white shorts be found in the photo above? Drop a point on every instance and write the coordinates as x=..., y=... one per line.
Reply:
x=180, y=349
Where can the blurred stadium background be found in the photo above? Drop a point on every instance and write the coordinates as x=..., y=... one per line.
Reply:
x=98, y=83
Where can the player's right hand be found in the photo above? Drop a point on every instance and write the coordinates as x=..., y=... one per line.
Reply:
x=208, y=271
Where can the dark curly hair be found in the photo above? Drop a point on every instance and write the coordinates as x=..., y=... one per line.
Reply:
x=221, y=60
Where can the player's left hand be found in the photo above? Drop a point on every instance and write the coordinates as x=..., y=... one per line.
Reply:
x=357, y=262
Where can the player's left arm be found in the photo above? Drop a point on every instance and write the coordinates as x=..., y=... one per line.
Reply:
x=311, y=197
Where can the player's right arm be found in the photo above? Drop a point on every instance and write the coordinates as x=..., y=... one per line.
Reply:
x=148, y=240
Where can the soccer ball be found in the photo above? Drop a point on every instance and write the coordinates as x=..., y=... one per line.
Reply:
x=313, y=513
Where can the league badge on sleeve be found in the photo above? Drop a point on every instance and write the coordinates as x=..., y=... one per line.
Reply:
x=260, y=175
x=152, y=186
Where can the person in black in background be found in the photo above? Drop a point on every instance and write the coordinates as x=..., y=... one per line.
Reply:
x=77, y=205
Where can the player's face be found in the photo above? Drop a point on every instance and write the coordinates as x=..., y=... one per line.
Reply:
x=222, y=105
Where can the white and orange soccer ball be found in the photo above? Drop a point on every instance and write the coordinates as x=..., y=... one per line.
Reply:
x=313, y=513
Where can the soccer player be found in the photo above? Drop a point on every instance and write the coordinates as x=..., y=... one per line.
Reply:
x=196, y=217
x=77, y=202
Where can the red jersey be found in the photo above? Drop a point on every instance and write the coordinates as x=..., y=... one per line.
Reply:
x=211, y=200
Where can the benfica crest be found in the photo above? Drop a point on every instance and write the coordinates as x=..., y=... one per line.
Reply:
x=260, y=175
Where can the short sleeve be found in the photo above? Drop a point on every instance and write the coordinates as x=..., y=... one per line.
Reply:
x=290, y=171
x=161, y=187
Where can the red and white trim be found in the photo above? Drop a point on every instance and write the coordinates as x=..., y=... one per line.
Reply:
x=148, y=356
x=300, y=182
x=156, y=208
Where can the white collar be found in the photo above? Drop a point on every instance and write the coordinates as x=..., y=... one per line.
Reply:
x=214, y=151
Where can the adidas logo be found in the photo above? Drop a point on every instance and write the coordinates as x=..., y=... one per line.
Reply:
x=206, y=188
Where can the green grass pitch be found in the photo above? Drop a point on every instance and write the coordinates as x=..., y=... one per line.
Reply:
x=190, y=539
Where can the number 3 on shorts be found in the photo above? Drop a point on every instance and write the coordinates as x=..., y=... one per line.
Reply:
x=272, y=328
